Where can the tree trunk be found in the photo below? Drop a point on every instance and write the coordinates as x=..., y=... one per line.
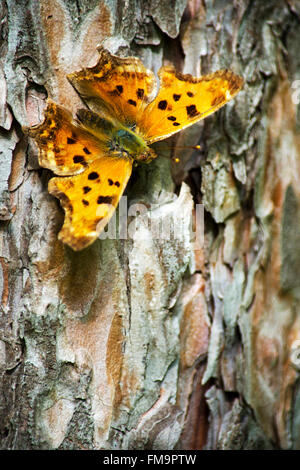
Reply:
x=152, y=343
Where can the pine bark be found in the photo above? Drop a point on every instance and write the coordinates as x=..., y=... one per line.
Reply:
x=149, y=343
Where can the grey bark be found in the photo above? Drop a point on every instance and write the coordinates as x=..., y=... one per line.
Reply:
x=142, y=343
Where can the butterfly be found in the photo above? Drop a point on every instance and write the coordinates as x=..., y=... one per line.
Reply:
x=93, y=155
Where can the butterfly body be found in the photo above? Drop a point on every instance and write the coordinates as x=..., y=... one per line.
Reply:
x=93, y=155
x=130, y=144
x=120, y=140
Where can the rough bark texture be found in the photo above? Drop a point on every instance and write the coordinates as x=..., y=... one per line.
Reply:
x=142, y=343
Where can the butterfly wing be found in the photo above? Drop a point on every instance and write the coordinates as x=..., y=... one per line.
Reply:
x=115, y=86
x=90, y=199
x=93, y=180
x=65, y=148
x=183, y=100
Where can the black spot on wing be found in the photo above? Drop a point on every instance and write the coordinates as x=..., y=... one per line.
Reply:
x=132, y=102
x=162, y=104
x=78, y=159
x=86, y=151
x=105, y=200
x=176, y=97
x=119, y=88
x=86, y=189
x=171, y=118
x=93, y=175
x=140, y=93
x=111, y=182
x=70, y=141
x=191, y=111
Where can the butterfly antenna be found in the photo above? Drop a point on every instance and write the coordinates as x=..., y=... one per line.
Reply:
x=175, y=147
x=177, y=159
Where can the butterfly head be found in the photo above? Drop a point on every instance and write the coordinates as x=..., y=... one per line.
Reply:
x=146, y=156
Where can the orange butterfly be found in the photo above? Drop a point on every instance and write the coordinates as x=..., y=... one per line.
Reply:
x=93, y=156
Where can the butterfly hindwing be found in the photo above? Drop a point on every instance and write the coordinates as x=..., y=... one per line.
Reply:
x=115, y=86
x=90, y=199
x=183, y=100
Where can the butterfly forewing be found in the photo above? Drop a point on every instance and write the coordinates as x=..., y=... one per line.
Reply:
x=183, y=100
x=116, y=86
x=65, y=148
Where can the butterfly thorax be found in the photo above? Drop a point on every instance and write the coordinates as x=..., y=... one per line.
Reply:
x=129, y=144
